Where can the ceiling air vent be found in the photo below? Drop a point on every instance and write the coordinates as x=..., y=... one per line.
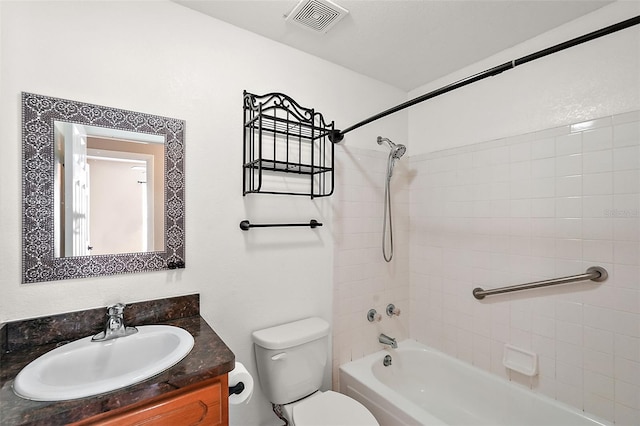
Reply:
x=317, y=15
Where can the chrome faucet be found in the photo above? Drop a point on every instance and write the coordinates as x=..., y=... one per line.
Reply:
x=386, y=340
x=115, y=326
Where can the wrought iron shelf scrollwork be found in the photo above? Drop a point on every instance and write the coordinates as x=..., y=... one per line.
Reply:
x=283, y=138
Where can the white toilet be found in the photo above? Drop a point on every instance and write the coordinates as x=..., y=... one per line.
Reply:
x=291, y=360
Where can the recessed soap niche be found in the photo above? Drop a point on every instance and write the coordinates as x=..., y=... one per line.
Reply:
x=520, y=360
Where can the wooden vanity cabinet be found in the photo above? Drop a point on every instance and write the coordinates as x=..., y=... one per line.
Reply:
x=205, y=403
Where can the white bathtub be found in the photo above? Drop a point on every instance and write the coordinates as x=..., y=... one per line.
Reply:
x=426, y=387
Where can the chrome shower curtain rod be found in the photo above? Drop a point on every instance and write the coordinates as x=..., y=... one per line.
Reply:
x=337, y=135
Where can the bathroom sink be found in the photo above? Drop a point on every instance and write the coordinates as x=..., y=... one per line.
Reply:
x=84, y=368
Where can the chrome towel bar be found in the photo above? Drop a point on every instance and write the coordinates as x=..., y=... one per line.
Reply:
x=594, y=273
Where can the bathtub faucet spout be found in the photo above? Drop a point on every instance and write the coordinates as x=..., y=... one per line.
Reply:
x=386, y=340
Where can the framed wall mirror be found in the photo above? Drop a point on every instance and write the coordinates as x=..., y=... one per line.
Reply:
x=103, y=190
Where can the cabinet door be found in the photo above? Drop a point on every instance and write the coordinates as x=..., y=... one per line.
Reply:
x=204, y=405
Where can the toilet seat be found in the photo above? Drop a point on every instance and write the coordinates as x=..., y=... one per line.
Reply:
x=332, y=409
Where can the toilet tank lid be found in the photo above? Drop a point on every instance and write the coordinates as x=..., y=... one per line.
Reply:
x=291, y=334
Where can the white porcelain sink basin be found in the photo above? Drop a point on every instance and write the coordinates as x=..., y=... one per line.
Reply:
x=84, y=368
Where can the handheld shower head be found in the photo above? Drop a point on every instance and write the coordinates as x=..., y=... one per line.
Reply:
x=397, y=150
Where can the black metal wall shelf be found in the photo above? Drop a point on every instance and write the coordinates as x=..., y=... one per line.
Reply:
x=283, y=138
x=283, y=166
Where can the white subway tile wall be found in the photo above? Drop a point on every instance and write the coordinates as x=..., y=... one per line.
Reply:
x=362, y=279
x=521, y=209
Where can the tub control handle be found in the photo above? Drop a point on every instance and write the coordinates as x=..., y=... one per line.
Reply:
x=373, y=316
x=278, y=357
x=392, y=310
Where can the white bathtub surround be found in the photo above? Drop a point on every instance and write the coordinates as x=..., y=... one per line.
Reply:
x=526, y=208
x=424, y=386
x=362, y=279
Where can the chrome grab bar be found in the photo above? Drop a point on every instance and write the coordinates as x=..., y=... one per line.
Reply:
x=594, y=273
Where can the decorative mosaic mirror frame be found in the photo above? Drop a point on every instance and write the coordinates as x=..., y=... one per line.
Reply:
x=38, y=260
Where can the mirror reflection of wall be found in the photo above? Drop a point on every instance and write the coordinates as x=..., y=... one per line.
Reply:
x=109, y=191
x=115, y=184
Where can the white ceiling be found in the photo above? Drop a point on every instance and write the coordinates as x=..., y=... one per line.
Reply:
x=405, y=43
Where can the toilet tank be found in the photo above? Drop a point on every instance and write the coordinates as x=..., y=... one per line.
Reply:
x=291, y=358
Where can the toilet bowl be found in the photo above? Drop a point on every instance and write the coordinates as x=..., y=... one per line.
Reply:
x=328, y=409
x=291, y=360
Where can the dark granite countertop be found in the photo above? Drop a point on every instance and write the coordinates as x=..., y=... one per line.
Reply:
x=210, y=357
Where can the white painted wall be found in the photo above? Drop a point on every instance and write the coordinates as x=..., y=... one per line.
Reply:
x=161, y=58
x=596, y=79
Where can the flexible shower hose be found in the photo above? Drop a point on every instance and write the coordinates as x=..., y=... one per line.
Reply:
x=387, y=213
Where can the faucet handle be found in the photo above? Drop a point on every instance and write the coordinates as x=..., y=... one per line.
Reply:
x=392, y=310
x=372, y=316
x=116, y=309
